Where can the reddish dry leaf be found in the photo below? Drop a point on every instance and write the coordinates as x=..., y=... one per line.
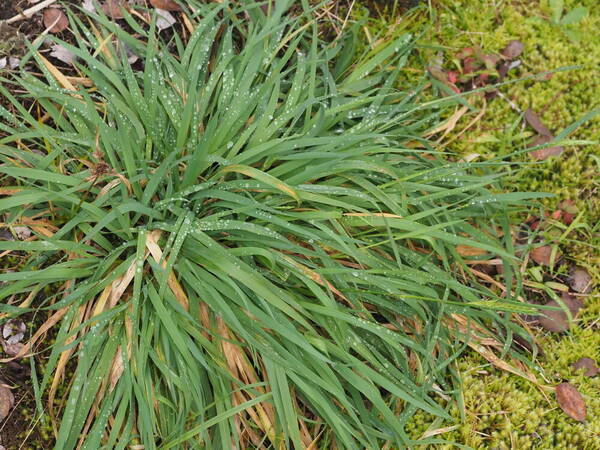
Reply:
x=113, y=8
x=490, y=61
x=544, y=153
x=568, y=218
x=55, y=20
x=570, y=401
x=568, y=206
x=469, y=65
x=439, y=74
x=513, y=49
x=569, y=210
x=557, y=321
x=536, y=123
x=7, y=400
x=588, y=364
x=580, y=280
x=465, y=53
x=167, y=5
x=542, y=255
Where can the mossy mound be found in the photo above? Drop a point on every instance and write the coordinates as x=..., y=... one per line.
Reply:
x=560, y=100
x=502, y=410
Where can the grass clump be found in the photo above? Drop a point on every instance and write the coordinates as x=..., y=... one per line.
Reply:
x=249, y=251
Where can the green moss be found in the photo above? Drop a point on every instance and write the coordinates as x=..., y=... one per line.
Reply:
x=502, y=410
x=561, y=100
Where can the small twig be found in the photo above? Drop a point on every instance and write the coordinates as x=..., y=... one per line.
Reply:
x=347, y=15
x=510, y=102
x=30, y=11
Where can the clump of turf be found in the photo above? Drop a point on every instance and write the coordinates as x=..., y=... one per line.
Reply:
x=250, y=251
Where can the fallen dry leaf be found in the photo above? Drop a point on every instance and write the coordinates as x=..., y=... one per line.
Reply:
x=570, y=401
x=569, y=210
x=167, y=5
x=13, y=331
x=164, y=20
x=557, y=321
x=7, y=400
x=536, y=123
x=113, y=8
x=436, y=71
x=11, y=62
x=544, y=153
x=465, y=53
x=587, y=364
x=22, y=232
x=506, y=66
x=62, y=54
x=513, y=49
x=542, y=255
x=55, y=20
x=88, y=5
x=12, y=349
x=580, y=280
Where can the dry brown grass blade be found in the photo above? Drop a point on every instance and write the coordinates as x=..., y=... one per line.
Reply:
x=483, y=343
x=114, y=183
x=485, y=277
x=307, y=439
x=449, y=124
x=24, y=304
x=467, y=250
x=83, y=81
x=315, y=277
x=156, y=252
x=187, y=23
x=100, y=304
x=26, y=14
x=262, y=413
x=9, y=191
x=103, y=41
x=312, y=445
x=391, y=216
x=121, y=284
x=467, y=127
x=437, y=431
x=61, y=368
x=62, y=80
x=41, y=226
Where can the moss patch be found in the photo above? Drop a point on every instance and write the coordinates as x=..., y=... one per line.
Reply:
x=502, y=410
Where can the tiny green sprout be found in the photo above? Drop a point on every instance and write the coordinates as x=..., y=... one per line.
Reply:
x=566, y=19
